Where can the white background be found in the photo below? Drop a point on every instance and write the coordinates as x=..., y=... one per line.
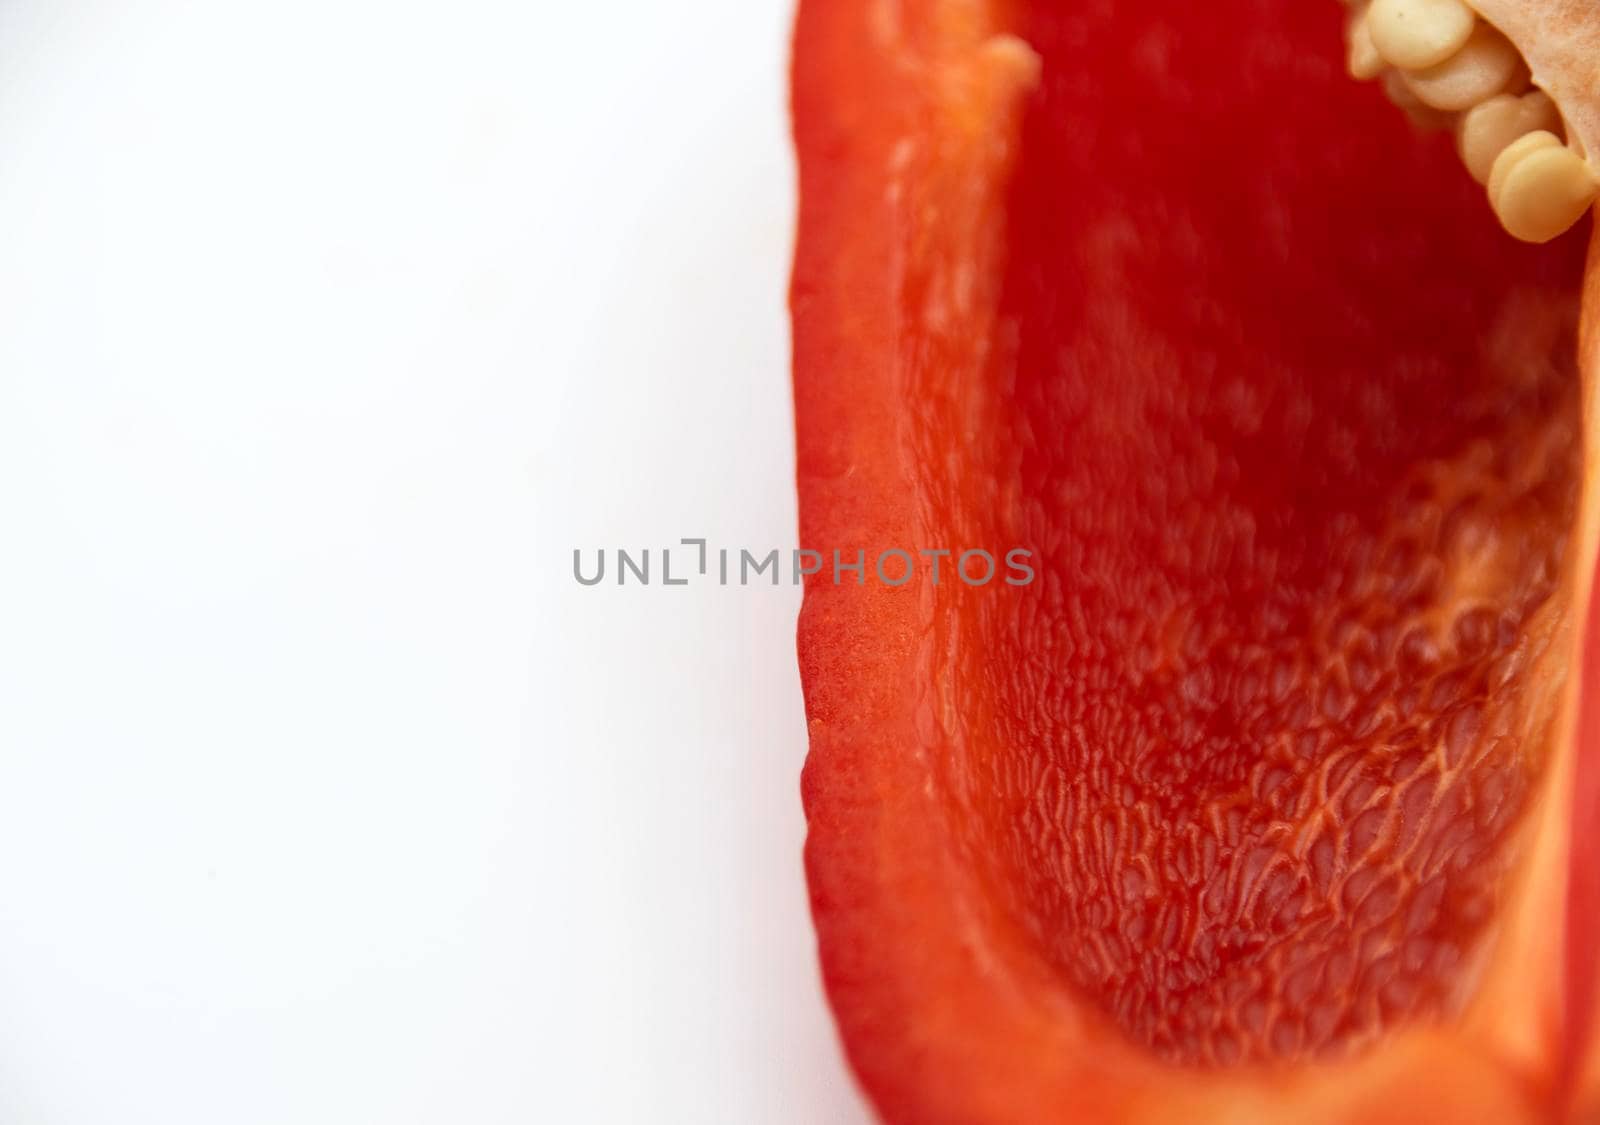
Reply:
x=327, y=331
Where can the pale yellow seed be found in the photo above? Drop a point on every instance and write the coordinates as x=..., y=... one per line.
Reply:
x=1486, y=129
x=1543, y=192
x=1417, y=34
x=1422, y=116
x=1523, y=146
x=1362, y=58
x=1480, y=70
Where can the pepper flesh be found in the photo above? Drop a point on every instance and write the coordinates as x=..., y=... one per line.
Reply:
x=1160, y=296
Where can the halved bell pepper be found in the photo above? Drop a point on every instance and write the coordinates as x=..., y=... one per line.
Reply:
x=1273, y=796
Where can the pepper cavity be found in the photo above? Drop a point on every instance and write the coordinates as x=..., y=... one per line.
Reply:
x=1447, y=66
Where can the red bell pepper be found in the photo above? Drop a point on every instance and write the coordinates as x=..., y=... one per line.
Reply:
x=1257, y=804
